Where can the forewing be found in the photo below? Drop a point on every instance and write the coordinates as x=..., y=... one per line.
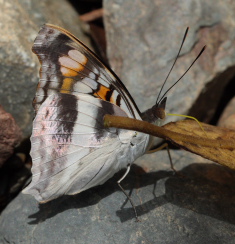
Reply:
x=70, y=145
x=71, y=150
x=68, y=66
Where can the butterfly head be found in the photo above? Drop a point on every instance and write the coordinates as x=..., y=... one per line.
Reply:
x=159, y=109
x=156, y=114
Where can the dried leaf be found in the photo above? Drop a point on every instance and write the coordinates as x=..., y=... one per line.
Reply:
x=216, y=136
x=214, y=143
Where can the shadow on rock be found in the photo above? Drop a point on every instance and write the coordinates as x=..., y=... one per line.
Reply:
x=204, y=188
x=207, y=189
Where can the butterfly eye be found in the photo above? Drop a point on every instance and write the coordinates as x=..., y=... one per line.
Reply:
x=159, y=109
x=159, y=113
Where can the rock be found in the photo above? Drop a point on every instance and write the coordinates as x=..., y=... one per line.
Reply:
x=227, y=118
x=195, y=208
x=10, y=135
x=20, y=23
x=13, y=176
x=143, y=39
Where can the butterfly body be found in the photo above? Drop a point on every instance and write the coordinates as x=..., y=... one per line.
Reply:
x=71, y=149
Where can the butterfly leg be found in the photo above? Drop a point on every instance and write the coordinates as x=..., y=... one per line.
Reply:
x=165, y=145
x=119, y=181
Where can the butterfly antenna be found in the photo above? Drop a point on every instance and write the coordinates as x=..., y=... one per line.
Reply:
x=203, y=49
x=185, y=34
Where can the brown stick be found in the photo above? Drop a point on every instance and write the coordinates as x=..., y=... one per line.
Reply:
x=93, y=15
x=145, y=127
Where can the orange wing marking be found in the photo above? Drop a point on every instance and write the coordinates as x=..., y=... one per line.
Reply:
x=67, y=85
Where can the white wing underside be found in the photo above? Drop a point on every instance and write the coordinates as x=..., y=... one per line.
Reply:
x=70, y=157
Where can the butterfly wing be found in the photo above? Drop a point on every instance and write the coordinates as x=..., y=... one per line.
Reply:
x=71, y=149
x=68, y=66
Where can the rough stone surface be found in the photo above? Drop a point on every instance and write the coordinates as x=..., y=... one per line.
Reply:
x=144, y=36
x=227, y=118
x=13, y=176
x=20, y=23
x=10, y=135
x=196, y=208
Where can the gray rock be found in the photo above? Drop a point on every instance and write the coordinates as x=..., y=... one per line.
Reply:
x=20, y=23
x=144, y=36
x=227, y=118
x=10, y=135
x=196, y=208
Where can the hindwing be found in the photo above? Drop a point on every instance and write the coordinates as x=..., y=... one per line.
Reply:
x=71, y=149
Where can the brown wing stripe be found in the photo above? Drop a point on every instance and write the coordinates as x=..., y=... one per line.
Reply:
x=118, y=100
x=109, y=94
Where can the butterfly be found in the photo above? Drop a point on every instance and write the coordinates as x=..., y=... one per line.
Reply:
x=71, y=149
